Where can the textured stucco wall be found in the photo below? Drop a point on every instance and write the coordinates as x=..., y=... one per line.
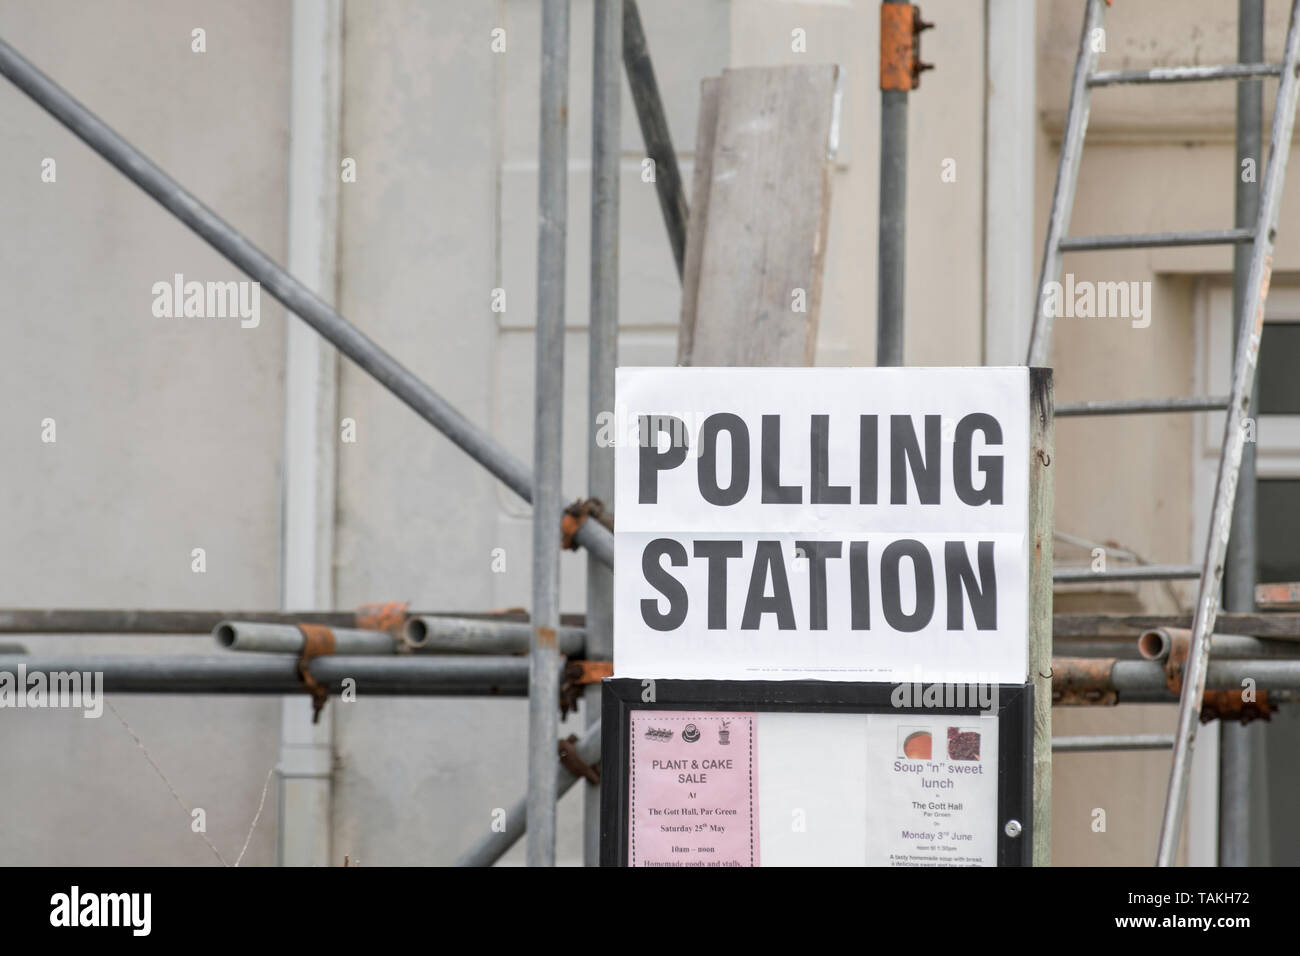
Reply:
x=444, y=210
x=168, y=429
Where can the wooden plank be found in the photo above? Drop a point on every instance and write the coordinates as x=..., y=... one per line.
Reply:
x=1042, y=496
x=1131, y=625
x=697, y=225
x=768, y=212
x=1278, y=597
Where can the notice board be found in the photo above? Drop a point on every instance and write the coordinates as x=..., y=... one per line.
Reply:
x=821, y=618
x=812, y=773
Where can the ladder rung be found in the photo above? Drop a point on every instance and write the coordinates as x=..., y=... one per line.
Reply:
x=1142, y=572
x=1143, y=406
x=1112, y=742
x=1148, y=240
x=1185, y=74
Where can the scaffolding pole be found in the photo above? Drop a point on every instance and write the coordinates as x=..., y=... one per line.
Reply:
x=602, y=356
x=130, y=621
x=1144, y=406
x=1238, y=770
x=285, y=289
x=892, y=236
x=654, y=130
x=1147, y=682
x=470, y=625
x=423, y=635
x=1112, y=743
x=287, y=639
x=494, y=846
x=548, y=418
x=459, y=635
x=278, y=674
x=1156, y=644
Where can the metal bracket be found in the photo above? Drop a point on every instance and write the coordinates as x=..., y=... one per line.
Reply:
x=1076, y=682
x=1231, y=705
x=900, y=46
x=1215, y=704
x=571, y=762
x=576, y=515
x=578, y=674
x=317, y=641
x=389, y=616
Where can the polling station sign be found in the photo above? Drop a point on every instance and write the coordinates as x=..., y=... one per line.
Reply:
x=821, y=523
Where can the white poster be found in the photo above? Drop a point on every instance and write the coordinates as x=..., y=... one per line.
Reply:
x=907, y=790
x=933, y=790
x=821, y=523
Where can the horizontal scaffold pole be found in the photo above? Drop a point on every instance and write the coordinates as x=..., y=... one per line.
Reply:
x=458, y=635
x=149, y=621
x=1147, y=681
x=287, y=639
x=421, y=635
x=413, y=676
x=457, y=626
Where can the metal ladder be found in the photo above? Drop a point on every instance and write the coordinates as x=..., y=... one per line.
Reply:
x=1249, y=327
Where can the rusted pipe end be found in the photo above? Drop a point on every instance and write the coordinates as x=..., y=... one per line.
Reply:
x=1154, y=644
x=416, y=632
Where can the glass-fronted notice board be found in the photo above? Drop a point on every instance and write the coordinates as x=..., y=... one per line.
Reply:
x=815, y=773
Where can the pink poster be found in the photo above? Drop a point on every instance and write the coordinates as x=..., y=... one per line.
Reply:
x=693, y=798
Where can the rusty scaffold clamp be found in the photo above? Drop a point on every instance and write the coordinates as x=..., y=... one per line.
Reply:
x=571, y=762
x=317, y=641
x=576, y=515
x=1216, y=704
x=900, y=46
x=577, y=675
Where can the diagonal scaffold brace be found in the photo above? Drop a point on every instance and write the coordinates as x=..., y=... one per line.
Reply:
x=286, y=290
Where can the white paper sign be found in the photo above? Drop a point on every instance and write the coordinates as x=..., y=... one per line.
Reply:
x=933, y=790
x=821, y=523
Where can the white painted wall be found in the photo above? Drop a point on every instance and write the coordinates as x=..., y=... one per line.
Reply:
x=168, y=430
x=444, y=132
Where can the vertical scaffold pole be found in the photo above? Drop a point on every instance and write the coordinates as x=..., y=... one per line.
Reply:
x=552, y=209
x=1237, y=768
x=606, y=137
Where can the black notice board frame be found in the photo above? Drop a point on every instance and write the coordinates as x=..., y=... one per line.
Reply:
x=621, y=696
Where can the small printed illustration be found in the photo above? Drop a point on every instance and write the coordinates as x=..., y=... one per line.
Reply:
x=658, y=733
x=915, y=743
x=690, y=733
x=724, y=733
x=963, y=743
